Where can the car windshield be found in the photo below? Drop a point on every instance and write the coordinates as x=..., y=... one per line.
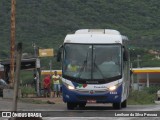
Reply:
x=92, y=62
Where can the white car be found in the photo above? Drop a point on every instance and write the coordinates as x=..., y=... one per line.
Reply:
x=158, y=94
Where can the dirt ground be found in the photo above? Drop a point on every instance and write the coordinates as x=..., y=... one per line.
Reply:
x=47, y=100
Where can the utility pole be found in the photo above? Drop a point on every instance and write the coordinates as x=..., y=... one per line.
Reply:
x=37, y=69
x=138, y=66
x=138, y=56
x=50, y=67
x=17, y=75
x=132, y=81
x=12, y=43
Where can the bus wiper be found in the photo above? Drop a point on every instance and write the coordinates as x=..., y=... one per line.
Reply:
x=83, y=66
x=98, y=68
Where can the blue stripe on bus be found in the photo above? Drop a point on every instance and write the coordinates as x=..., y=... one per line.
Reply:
x=73, y=96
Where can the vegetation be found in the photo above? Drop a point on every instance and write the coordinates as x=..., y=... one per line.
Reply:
x=46, y=22
x=141, y=98
x=152, y=89
x=28, y=90
x=144, y=58
x=26, y=77
x=146, y=96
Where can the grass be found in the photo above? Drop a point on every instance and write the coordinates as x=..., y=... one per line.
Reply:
x=144, y=97
x=141, y=98
x=27, y=90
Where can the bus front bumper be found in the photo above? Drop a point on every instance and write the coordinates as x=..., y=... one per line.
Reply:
x=105, y=97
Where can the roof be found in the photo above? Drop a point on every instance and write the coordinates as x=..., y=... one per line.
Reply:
x=146, y=70
x=29, y=63
x=47, y=72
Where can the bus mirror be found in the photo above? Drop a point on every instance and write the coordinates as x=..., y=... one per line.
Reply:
x=125, y=55
x=59, y=53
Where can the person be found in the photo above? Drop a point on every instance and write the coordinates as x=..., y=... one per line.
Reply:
x=35, y=81
x=46, y=84
x=56, y=85
x=109, y=67
x=73, y=67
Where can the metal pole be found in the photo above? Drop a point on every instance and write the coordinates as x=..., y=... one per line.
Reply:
x=147, y=79
x=138, y=56
x=37, y=69
x=50, y=64
x=138, y=81
x=38, y=75
x=35, y=51
x=12, y=43
x=17, y=75
x=132, y=81
x=138, y=66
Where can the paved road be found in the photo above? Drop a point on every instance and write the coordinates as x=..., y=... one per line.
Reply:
x=101, y=118
x=6, y=105
x=92, y=111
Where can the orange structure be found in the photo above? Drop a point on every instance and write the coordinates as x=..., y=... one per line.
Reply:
x=48, y=72
x=147, y=76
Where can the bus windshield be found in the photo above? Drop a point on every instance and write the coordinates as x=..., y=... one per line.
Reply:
x=96, y=62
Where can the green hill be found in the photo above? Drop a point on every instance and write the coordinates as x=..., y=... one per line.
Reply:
x=46, y=22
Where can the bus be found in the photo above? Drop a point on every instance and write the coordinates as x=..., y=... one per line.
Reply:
x=95, y=68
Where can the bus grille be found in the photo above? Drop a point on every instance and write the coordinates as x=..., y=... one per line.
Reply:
x=95, y=92
x=82, y=98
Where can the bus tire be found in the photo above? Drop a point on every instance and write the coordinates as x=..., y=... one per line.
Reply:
x=117, y=105
x=71, y=106
x=82, y=105
x=124, y=104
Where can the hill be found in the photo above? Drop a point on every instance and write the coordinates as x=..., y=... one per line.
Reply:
x=46, y=22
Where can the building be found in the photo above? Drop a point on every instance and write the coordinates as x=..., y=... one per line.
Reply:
x=146, y=77
x=51, y=72
x=25, y=64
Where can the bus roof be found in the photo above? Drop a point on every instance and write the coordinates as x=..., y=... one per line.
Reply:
x=97, y=31
x=95, y=36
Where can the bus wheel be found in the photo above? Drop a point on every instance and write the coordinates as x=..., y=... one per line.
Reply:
x=82, y=105
x=117, y=105
x=124, y=104
x=71, y=106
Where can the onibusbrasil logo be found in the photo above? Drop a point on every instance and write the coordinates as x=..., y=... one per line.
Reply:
x=21, y=114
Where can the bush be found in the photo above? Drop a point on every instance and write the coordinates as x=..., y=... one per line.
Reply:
x=152, y=89
x=141, y=97
x=28, y=90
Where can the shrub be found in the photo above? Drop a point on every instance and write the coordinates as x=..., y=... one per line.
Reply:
x=152, y=89
x=141, y=97
x=28, y=90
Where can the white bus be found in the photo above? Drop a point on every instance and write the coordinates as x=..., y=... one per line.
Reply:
x=95, y=68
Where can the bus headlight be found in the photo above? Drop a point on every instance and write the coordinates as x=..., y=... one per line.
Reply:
x=71, y=87
x=112, y=88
